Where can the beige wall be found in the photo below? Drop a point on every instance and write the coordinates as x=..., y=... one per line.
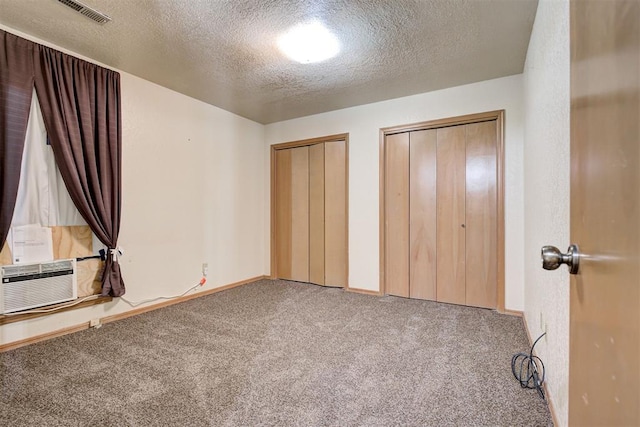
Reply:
x=546, y=163
x=363, y=124
x=192, y=193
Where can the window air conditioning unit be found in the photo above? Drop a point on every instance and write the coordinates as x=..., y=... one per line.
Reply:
x=26, y=286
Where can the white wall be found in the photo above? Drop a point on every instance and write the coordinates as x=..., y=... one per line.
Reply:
x=192, y=193
x=363, y=124
x=546, y=164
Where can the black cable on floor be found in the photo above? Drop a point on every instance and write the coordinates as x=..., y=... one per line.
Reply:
x=529, y=369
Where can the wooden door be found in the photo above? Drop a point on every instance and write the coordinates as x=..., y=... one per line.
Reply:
x=335, y=213
x=397, y=214
x=422, y=214
x=442, y=220
x=441, y=188
x=309, y=211
x=316, y=214
x=604, y=358
x=451, y=285
x=481, y=221
x=292, y=214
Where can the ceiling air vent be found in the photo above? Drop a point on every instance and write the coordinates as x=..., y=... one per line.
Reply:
x=87, y=11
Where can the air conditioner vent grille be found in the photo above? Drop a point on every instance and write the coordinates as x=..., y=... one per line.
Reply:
x=34, y=285
x=37, y=292
x=87, y=11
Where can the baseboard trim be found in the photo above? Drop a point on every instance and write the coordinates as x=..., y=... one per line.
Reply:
x=363, y=291
x=159, y=305
x=516, y=313
x=85, y=325
x=552, y=409
x=43, y=337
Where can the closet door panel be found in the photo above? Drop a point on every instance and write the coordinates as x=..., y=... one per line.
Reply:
x=283, y=214
x=451, y=214
x=292, y=214
x=481, y=212
x=335, y=213
x=300, y=214
x=316, y=214
x=397, y=214
x=422, y=214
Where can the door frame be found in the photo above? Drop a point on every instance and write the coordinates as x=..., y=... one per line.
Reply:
x=498, y=116
x=305, y=143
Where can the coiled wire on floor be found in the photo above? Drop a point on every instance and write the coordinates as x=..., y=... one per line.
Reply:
x=529, y=369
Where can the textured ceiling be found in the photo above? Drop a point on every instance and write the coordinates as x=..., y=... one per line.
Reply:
x=224, y=52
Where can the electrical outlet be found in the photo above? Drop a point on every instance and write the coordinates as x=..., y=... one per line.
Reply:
x=205, y=269
x=541, y=322
x=95, y=323
x=543, y=326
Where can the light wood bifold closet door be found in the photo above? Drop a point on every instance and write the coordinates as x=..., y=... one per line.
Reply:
x=292, y=213
x=397, y=214
x=451, y=215
x=310, y=227
x=316, y=213
x=422, y=214
x=335, y=214
x=441, y=214
x=481, y=216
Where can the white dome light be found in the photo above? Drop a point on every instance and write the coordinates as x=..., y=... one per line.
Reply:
x=310, y=42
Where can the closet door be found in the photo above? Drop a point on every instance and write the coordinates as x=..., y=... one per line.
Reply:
x=441, y=214
x=292, y=214
x=481, y=215
x=335, y=213
x=422, y=214
x=451, y=286
x=317, y=214
x=397, y=214
x=309, y=212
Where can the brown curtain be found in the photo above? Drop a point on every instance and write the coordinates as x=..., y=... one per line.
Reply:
x=16, y=88
x=80, y=105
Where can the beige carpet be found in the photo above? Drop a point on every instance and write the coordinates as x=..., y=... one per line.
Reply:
x=278, y=353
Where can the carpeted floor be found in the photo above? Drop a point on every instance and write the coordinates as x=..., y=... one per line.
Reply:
x=278, y=353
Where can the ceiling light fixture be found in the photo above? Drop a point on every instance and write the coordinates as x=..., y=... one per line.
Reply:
x=309, y=42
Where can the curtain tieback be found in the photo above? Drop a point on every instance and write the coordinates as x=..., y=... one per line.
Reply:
x=116, y=253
